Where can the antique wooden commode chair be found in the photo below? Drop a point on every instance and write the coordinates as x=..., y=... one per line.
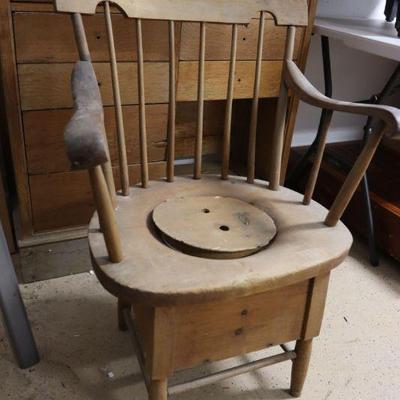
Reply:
x=210, y=267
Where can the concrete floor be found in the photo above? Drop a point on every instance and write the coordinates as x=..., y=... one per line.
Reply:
x=84, y=356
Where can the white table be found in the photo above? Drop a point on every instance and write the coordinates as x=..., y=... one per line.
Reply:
x=370, y=35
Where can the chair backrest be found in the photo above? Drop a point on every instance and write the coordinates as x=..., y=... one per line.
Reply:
x=289, y=13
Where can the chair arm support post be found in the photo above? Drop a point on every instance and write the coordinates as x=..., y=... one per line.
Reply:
x=390, y=125
x=105, y=210
x=353, y=179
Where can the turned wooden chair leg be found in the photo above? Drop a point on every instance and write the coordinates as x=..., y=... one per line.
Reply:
x=159, y=390
x=122, y=304
x=300, y=366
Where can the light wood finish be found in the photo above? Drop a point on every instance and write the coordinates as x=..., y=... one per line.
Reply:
x=142, y=106
x=123, y=163
x=300, y=366
x=224, y=11
x=80, y=37
x=188, y=309
x=158, y=390
x=182, y=336
x=353, y=179
x=48, y=6
x=218, y=330
x=226, y=144
x=321, y=248
x=251, y=156
x=137, y=346
x=318, y=289
x=280, y=121
x=231, y=372
x=217, y=74
x=312, y=178
x=171, y=104
x=200, y=101
x=162, y=343
x=105, y=209
x=225, y=227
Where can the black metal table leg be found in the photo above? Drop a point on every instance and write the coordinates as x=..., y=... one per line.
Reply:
x=298, y=170
x=13, y=310
x=390, y=85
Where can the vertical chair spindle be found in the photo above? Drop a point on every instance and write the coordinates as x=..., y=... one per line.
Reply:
x=80, y=37
x=84, y=55
x=312, y=179
x=228, y=111
x=251, y=158
x=354, y=178
x=106, y=214
x=280, y=121
x=200, y=103
x=123, y=161
x=172, y=104
x=142, y=105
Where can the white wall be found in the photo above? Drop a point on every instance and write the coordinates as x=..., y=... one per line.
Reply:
x=356, y=75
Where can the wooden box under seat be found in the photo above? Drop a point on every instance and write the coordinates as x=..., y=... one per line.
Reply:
x=184, y=336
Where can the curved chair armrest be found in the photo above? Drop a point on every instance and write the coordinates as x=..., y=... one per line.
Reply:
x=306, y=92
x=84, y=135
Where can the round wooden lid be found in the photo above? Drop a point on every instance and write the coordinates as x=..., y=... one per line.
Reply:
x=213, y=226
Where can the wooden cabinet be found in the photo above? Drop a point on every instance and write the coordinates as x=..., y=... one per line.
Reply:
x=38, y=53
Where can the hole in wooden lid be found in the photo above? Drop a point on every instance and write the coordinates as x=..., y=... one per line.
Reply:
x=206, y=210
x=224, y=228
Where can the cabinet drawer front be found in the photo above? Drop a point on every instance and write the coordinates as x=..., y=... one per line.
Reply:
x=49, y=38
x=65, y=200
x=44, y=134
x=215, y=331
x=218, y=41
x=47, y=86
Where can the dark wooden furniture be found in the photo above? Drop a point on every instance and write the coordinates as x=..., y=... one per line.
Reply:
x=384, y=188
x=206, y=267
x=37, y=52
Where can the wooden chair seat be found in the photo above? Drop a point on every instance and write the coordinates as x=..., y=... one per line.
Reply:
x=156, y=274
